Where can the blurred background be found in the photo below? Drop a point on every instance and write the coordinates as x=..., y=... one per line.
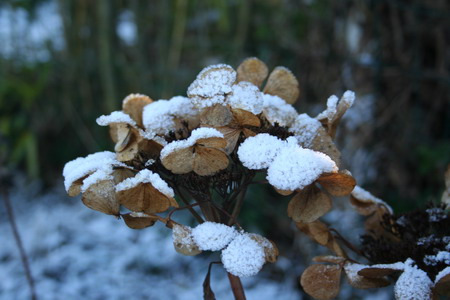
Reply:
x=64, y=63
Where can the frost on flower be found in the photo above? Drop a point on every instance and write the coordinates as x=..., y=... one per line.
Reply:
x=146, y=176
x=331, y=110
x=259, y=151
x=305, y=129
x=77, y=170
x=413, y=284
x=361, y=197
x=213, y=236
x=115, y=117
x=246, y=96
x=276, y=110
x=295, y=168
x=211, y=85
x=183, y=241
x=243, y=257
x=159, y=116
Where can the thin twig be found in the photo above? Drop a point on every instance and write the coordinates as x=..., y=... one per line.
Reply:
x=23, y=255
x=192, y=211
x=169, y=216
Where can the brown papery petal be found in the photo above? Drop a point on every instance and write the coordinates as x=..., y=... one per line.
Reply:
x=337, y=184
x=231, y=135
x=145, y=198
x=139, y=222
x=252, y=70
x=443, y=285
x=208, y=161
x=361, y=282
x=75, y=188
x=316, y=230
x=283, y=192
x=123, y=136
x=180, y=161
x=371, y=272
x=322, y=142
x=282, y=83
x=362, y=207
x=309, y=204
x=322, y=281
x=121, y=174
x=217, y=115
x=270, y=248
x=329, y=259
x=213, y=142
x=245, y=118
x=134, y=107
x=101, y=197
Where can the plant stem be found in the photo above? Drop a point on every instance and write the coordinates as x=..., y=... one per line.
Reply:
x=23, y=255
x=236, y=286
x=192, y=211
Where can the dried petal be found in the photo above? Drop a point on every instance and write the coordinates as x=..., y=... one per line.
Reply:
x=337, y=184
x=183, y=241
x=101, y=197
x=133, y=105
x=139, y=222
x=329, y=259
x=322, y=281
x=361, y=282
x=245, y=118
x=442, y=282
x=121, y=174
x=309, y=204
x=377, y=272
x=123, y=136
x=208, y=161
x=284, y=192
x=282, y=83
x=252, y=70
x=75, y=187
x=213, y=142
x=179, y=161
x=322, y=142
x=270, y=249
x=317, y=230
x=231, y=135
x=215, y=116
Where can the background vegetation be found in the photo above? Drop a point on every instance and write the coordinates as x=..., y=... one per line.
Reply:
x=88, y=55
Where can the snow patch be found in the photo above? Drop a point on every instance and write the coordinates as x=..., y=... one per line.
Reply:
x=278, y=111
x=146, y=176
x=115, y=117
x=305, y=129
x=213, y=236
x=246, y=96
x=259, y=151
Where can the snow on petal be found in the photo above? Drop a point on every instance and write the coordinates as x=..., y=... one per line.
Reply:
x=330, y=112
x=97, y=176
x=259, y=151
x=243, y=257
x=348, y=98
x=413, y=284
x=278, y=111
x=213, y=236
x=146, y=176
x=365, y=196
x=442, y=274
x=305, y=129
x=295, y=168
x=115, y=117
x=246, y=96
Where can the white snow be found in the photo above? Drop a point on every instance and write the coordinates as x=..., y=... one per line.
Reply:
x=441, y=256
x=305, y=129
x=365, y=196
x=115, y=117
x=413, y=284
x=278, y=111
x=352, y=269
x=146, y=176
x=442, y=274
x=199, y=133
x=82, y=166
x=399, y=266
x=348, y=98
x=259, y=151
x=243, y=257
x=132, y=96
x=213, y=236
x=295, y=167
x=330, y=112
x=211, y=85
x=246, y=96
x=158, y=117
x=99, y=175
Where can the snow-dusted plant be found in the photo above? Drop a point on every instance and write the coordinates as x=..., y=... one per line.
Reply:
x=181, y=153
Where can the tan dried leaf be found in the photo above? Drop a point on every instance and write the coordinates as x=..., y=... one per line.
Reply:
x=376, y=272
x=442, y=287
x=270, y=248
x=137, y=222
x=317, y=230
x=133, y=105
x=245, y=118
x=283, y=192
x=75, y=188
x=329, y=259
x=337, y=184
x=216, y=116
x=183, y=241
x=309, y=204
x=180, y=161
x=282, y=83
x=248, y=133
x=101, y=197
x=208, y=161
x=252, y=70
x=145, y=198
x=362, y=207
x=121, y=174
x=231, y=135
x=122, y=135
x=322, y=142
x=213, y=142
x=361, y=282
x=322, y=281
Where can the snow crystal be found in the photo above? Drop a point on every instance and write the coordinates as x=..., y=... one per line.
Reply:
x=365, y=196
x=399, y=266
x=305, y=129
x=146, y=176
x=115, y=117
x=243, y=257
x=211, y=85
x=259, y=151
x=433, y=260
x=348, y=98
x=158, y=117
x=83, y=166
x=436, y=214
x=352, y=269
x=295, y=168
x=99, y=175
x=199, y=133
x=330, y=112
x=442, y=274
x=278, y=111
x=413, y=284
x=213, y=236
x=246, y=96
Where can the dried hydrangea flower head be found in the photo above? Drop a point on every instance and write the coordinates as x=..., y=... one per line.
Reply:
x=211, y=144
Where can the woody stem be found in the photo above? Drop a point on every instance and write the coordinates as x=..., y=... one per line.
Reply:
x=236, y=287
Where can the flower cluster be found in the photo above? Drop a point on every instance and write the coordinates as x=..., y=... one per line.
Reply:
x=209, y=145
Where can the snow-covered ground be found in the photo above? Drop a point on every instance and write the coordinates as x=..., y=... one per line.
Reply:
x=77, y=253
